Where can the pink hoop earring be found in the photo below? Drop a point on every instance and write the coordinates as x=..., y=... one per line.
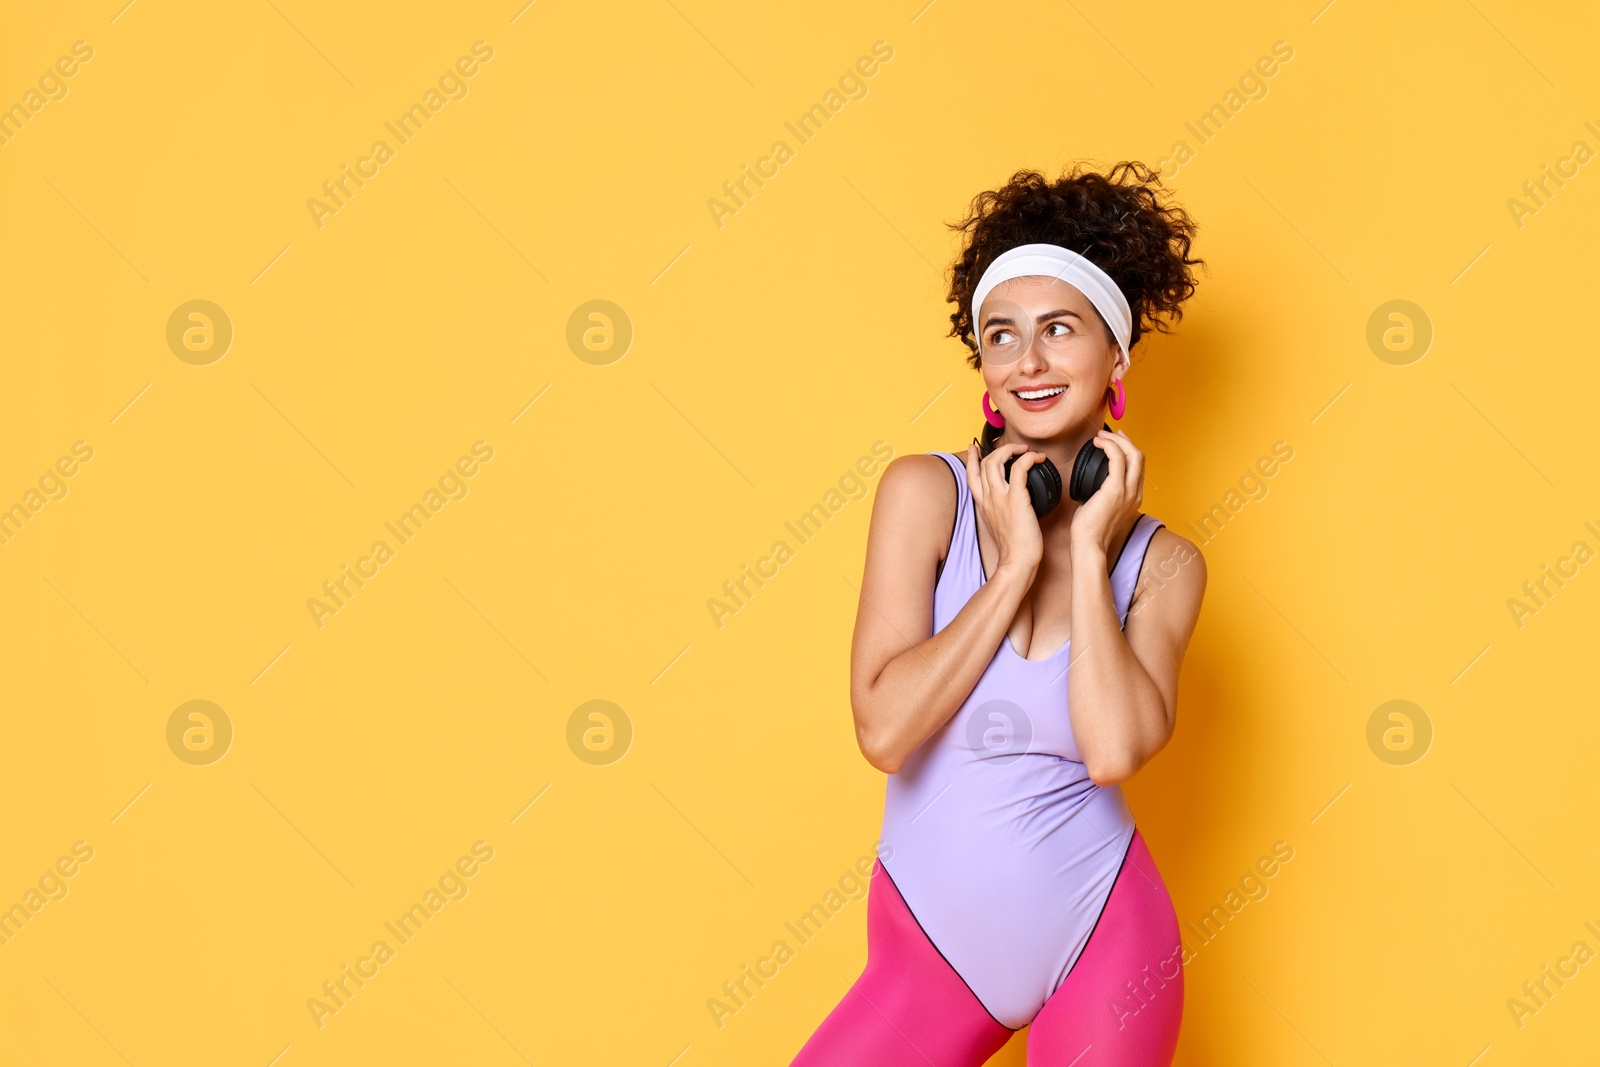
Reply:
x=994, y=418
x=1119, y=399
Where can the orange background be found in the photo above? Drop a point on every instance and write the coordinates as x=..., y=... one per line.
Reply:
x=738, y=373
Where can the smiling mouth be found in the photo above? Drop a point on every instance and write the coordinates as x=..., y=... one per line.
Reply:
x=1039, y=394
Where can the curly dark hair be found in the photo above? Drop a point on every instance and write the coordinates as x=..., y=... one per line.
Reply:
x=1124, y=226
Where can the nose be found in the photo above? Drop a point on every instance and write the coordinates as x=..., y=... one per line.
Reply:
x=1033, y=359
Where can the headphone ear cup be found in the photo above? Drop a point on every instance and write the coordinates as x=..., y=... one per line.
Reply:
x=1044, y=487
x=1089, y=472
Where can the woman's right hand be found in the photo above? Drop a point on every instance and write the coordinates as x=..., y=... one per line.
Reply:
x=1006, y=507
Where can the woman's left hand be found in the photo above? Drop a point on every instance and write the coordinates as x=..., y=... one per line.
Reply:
x=1113, y=506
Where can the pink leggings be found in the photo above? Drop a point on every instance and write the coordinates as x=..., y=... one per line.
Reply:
x=1120, y=1004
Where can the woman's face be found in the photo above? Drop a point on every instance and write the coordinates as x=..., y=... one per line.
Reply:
x=1038, y=332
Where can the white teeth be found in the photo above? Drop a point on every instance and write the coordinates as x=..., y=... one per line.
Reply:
x=1040, y=394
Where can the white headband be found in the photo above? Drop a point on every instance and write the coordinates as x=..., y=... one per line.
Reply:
x=1053, y=261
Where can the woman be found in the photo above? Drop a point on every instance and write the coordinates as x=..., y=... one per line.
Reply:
x=1012, y=887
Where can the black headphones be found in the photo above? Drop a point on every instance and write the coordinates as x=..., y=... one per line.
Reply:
x=1089, y=472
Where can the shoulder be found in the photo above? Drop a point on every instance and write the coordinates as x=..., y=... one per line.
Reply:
x=1172, y=562
x=917, y=492
x=920, y=480
x=1176, y=551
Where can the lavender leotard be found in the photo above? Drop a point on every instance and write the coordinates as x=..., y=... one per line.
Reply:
x=1000, y=844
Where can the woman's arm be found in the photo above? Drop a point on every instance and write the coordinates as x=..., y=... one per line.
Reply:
x=1122, y=688
x=905, y=680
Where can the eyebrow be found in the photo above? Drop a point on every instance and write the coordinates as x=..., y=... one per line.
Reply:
x=995, y=319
